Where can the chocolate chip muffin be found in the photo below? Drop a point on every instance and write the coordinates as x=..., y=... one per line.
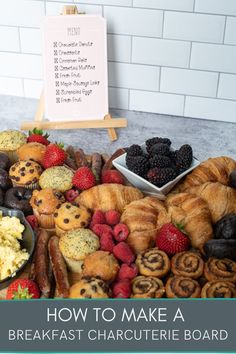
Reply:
x=102, y=264
x=89, y=288
x=25, y=174
x=45, y=203
x=70, y=217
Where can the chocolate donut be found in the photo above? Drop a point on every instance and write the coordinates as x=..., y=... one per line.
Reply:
x=5, y=182
x=1, y=197
x=4, y=161
x=18, y=198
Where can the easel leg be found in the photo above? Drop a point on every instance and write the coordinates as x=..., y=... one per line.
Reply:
x=111, y=131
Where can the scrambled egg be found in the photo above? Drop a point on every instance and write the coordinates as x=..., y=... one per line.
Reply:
x=11, y=254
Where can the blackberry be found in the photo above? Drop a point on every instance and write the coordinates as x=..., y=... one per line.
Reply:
x=160, y=149
x=156, y=140
x=138, y=164
x=184, y=157
x=161, y=176
x=135, y=150
x=160, y=161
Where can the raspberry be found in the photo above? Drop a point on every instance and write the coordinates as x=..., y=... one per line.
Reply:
x=122, y=289
x=98, y=217
x=100, y=229
x=71, y=195
x=112, y=217
x=106, y=242
x=32, y=220
x=124, y=253
x=121, y=232
x=127, y=271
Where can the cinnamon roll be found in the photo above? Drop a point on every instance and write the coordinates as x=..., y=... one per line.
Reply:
x=182, y=287
x=147, y=287
x=218, y=289
x=187, y=264
x=153, y=262
x=220, y=269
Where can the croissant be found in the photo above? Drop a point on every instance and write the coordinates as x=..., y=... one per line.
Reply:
x=193, y=213
x=108, y=196
x=221, y=199
x=216, y=169
x=143, y=218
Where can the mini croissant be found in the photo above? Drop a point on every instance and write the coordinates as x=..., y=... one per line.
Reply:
x=108, y=196
x=193, y=213
x=216, y=169
x=143, y=218
x=221, y=199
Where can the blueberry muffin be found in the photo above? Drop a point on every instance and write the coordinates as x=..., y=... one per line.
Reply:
x=102, y=264
x=32, y=151
x=70, y=217
x=76, y=245
x=89, y=288
x=25, y=174
x=44, y=203
x=58, y=177
x=10, y=141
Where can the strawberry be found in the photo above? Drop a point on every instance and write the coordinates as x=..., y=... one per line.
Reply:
x=36, y=136
x=112, y=217
x=32, y=220
x=22, y=289
x=121, y=232
x=84, y=178
x=112, y=176
x=98, y=217
x=54, y=156
x=172, y=240
x=71, y=195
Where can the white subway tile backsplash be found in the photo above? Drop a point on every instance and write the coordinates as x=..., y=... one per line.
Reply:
x=213, y=57
x=9, y=39
x=119, y=48
x=223, y=7
x=194, y=27
x=31, y=40
x=118, y=98
x=189, y=82
x=20, y=65
x=21, y=13
x=179, y=5
x=156, y=102
x=133, y=76
x=55, y=8
x=133, y=21
x=230, y=31
x=33, y=88
x=227, y=86
x=209, y=108
x=108, y=2
x=160, y=52
x=10, y=86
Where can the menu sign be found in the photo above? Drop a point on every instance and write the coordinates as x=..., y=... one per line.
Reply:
x=75, y=67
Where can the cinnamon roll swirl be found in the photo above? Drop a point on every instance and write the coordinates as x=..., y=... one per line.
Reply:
x=182, y=287
x=147, y=287
x=187, y=264
x=220, y=269
x=218, y=289
x=153, y=262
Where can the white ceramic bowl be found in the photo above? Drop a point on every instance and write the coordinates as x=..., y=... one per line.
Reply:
x=145, y=186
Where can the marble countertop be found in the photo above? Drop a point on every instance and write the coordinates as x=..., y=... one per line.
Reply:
x=208, y=138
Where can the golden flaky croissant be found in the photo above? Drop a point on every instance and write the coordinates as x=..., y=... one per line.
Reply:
x=221, y=199
x=217, y=169
x=109, y=196
x=143, y=218
x=193, y=213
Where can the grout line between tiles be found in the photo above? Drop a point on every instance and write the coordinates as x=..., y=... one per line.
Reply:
x=224, y=31
x=217, y=86
x=19, y=38
x=190, y=55
x=184, y=105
